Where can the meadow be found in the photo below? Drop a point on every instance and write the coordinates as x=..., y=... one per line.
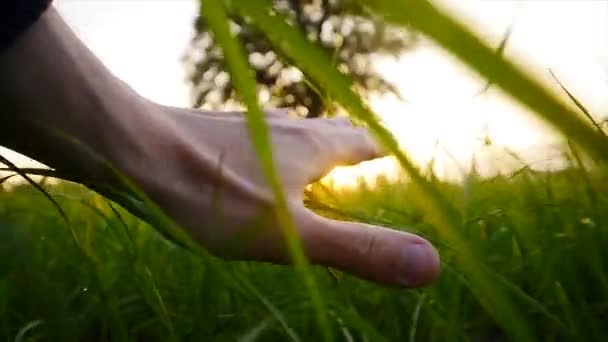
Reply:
x=105, y=275
x=523, y=254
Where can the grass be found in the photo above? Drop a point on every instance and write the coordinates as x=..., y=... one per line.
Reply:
x=522, y=254
x=244, y=82
x=470, y=49
x=540, y=237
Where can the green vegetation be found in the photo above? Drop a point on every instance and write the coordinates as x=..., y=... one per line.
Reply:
x=540, y=237
x=522, y=254
x=447, y=219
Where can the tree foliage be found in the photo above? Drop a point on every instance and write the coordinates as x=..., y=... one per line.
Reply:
x=345, y=31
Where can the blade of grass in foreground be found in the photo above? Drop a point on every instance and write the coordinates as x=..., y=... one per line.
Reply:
x=317, y=65
x=454, y=37
x=137, y=203
x=64, y=217
x=499, y=52
x=218, y=21
x=577, y=103
x=126, y=193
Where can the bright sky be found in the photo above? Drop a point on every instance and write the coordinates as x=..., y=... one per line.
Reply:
x=570, y=37
x=142, y=42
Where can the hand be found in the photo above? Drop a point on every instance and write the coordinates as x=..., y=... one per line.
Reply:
x=202, y=170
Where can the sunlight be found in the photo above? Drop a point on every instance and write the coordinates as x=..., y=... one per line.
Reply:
x=367, y=172
x=508, y=236
x=344, y=177
x=440, y=118
x=443, y=116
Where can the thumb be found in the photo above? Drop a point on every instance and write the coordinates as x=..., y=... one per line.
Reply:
x=379, y=254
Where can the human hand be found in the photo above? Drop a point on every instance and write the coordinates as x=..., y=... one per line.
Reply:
x=203, y=172
x=201, y=169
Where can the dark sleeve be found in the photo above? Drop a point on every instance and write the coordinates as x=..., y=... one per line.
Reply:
x=16, y=16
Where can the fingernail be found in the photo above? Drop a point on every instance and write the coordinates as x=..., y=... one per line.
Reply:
x=420, y=265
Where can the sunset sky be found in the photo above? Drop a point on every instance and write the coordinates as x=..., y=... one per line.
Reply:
x=142, y=41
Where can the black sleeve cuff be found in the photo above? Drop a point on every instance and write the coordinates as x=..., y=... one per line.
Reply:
x=16, y=16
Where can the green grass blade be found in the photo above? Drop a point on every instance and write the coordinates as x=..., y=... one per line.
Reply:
x=162, y=306
x=6, y=178
x=254, y=333
x=217, y=18
x=500, y=50
x=458, y=40
x=64, y=217
x=317, y=65
x=293, y=336
x=124, y=190
x=416, y=317
x=577, y=103
x=30, y=326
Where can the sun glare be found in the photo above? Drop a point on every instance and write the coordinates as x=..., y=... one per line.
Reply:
x=366, y=172
x=443, y=116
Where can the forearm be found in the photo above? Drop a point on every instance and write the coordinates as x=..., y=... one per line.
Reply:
x=54, y=92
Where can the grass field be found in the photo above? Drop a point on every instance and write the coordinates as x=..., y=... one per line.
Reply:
x=107, y=276
x=523, y=254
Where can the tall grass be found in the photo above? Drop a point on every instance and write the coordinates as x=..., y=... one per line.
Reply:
x=421, y=15
x=523, y=261
x=216, y=16
x=542, y=233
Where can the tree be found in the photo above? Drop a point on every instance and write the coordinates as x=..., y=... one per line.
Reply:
x=344, y=29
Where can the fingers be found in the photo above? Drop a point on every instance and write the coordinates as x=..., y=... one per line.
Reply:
x=341, y=146
x=354, y=145
x=348, y=144
x=378, y=254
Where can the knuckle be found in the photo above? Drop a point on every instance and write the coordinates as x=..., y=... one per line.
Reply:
x=367, y=243
x=314, y=140
x=344, y=121
x=369, y=145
